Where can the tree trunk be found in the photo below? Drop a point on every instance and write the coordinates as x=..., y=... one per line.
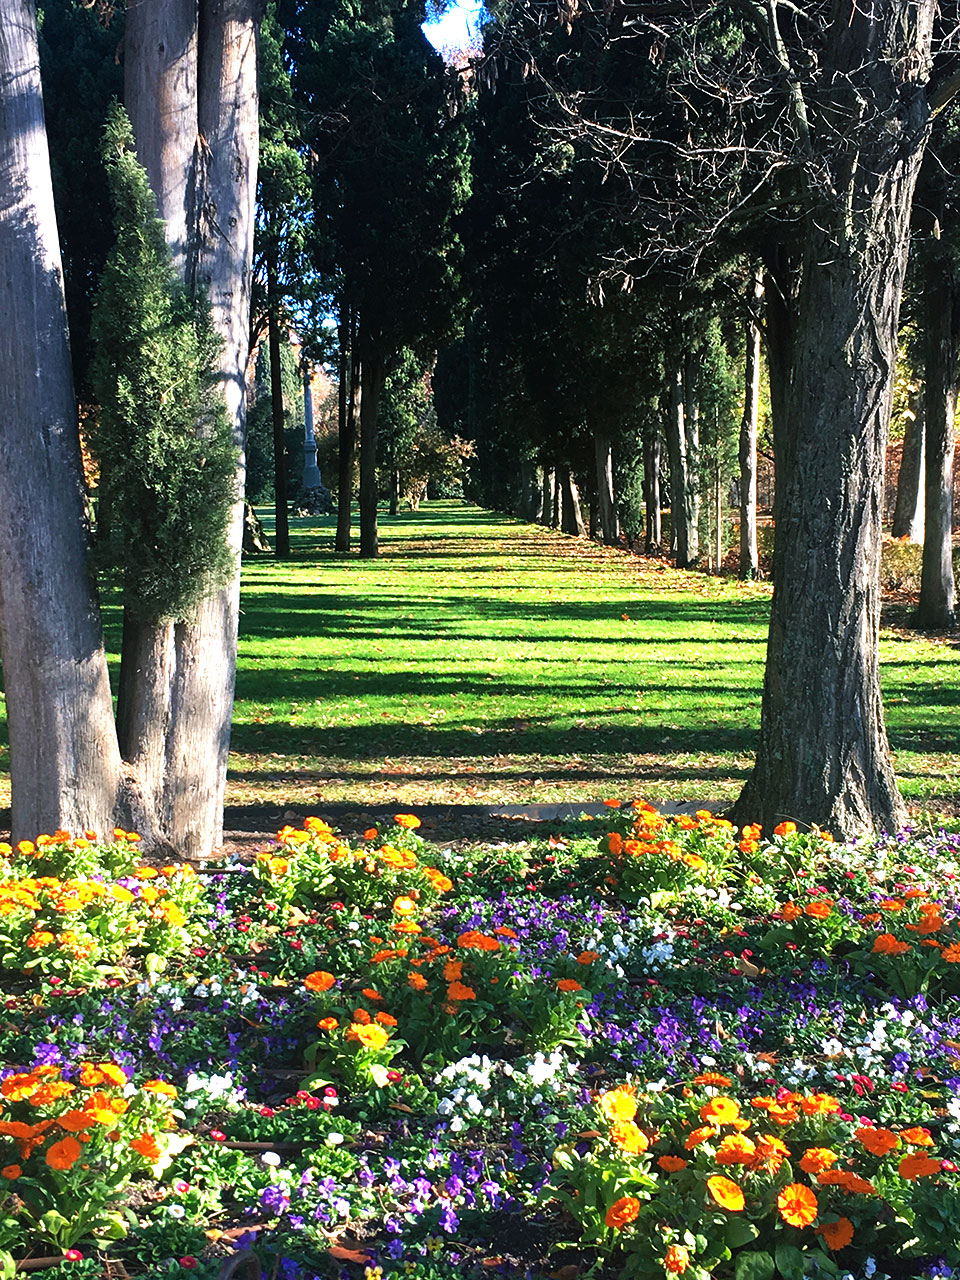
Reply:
x=373, y=375
x=213, y=104
x=65, y=763
x=395, y=492
x=749, y=555
x=679, y=470
x=606, y=499
x=935, y=611
x=908, y=514
x=346, y=431
x=571, y=517
x=653, y=535
x=548, y=503
x=823, y=755
x=530, y=504
x=691, y=474
x=281, y=537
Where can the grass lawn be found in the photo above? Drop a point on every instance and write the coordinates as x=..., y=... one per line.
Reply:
x=481, y=660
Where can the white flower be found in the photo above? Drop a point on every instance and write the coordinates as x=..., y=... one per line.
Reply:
x=334, y=1139
x=271, y=1158
x=176, y=1211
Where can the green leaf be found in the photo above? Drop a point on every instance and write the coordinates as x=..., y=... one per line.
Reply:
x=754, y=1266
x=740, y=1232
x=789, y=1261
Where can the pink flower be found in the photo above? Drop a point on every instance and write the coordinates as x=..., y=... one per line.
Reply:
x=73, y=1255
x=189, y=1262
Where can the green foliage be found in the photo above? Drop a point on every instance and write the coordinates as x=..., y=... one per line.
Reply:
x=162, y=438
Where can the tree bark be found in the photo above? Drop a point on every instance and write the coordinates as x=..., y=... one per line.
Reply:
x=749, y=555
x=936, y=607
x=823, y=755
x=65, y=762
x=395, y=492
x=347, y=430
x=606, y=499
x=908, y=514
x=205, y=81
x=373, y=375
x=679, y=472
x=691, y=477
x=281, y=537
x=548, y=502
x=571, y=517
x=653, y=535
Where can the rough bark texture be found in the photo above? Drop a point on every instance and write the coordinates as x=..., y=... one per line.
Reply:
x=530, y=500
x=65, y=763
x=823, y=755
x=677, y=457
x=691, y=474
x=606, y=500
x=571, y=516
x=346, y=434
x=653, y=535
x=185, y=681
x=908, y=514
x=549, y=496
x=373, y=375
x=749, y=555
x=936, y=608
x=281, y=537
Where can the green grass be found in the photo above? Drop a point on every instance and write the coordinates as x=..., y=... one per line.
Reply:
x=482, y=660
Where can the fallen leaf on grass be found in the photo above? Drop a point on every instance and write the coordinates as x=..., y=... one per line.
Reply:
x=348, y=1255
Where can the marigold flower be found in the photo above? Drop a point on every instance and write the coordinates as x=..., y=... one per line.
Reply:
x=453, y=971
x=328, y=1024
x=320, y=980
x=818, y=910
x=64, y=1154
x=836, y=1235
x=622, y=1212
x=361, y=1016
x=504, y=931
x=672, y=1164
x=626, y=1135
x=160, y=1086
x=816, y=1160
x=146, y=1145
x=386, y=1019
x=569, y=984
x=798, y=1205
x=917, y=1165
x=618, y=1104
x=885, y=944
x=846, y=1180
x=699, y=1135
x=587, y=957
x=404, y=906
x=726, y=1193
x=785, y=829
x=720, y=1110
x=736, y=1148
x=440, y=882
x=417, y=981
x=11, y=1172
x=714, y=1079
x=879, y=1142
x=371, y=833
x=676, y=1259
x=460, y=991
x=952, y=953
x=406, y=820
x=475, y=940
x=917, y=1136
x=790, y=911
x=371, y=994
x=370, y=1035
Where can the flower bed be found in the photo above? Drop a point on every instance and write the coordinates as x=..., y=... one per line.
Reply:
x=645, y=1046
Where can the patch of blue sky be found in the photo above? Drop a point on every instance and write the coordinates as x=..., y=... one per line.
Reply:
x=457, y=25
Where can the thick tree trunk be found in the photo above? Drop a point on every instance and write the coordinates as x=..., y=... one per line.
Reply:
x=749, y=555
x=373, y=375
x=823, y=755
x=530, y=503
x=65, y=763
x=548, y=504
x=571, y=516
x=606, y=499
x=281, y=537
x=653, y=535
x=936, y=608
x=214, y=103
x=908, y=514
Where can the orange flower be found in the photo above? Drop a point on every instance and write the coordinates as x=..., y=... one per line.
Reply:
x=64, y=1154
x=417, y=981
x=713, y=1078
x=885, y=944
x=371, y=994
x=736, y=1148
x=848, y=1181
x=459, y=991
x=676, y=1259
x=790, y=911
x=11, y=1172
x=407, y=821
x=146, y=1146
x=836, y=1235
x=817, y=1159
x=474, y=939
x=161, y=1087
x=453, y=971
x=628, y=1137
x=371, y=833
x=785, y=829
x=726, y=1193
x=618, y=1104
x=320, y=980
x=569, y=984
x=877, y=1141
x=672, y=1164
x=404, y=906
x=918, y=1165
x=587, y=957
x=370, y=1035
x=818, y=910
x=622, y=1211
x=699, y=1135
x=20, y=1085
x=797, y=1204
x=504, y=931
x=917, y=1136
x=440, y=882
x=819, y=1104
x=328, y=1024
x=361, y=1016
x=952, y=953
x=720, y=1110
x=771, y=1153
x=386, y=1019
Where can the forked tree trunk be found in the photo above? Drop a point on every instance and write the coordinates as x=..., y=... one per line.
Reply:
x=606, y=499
x=936, y=608
x=749, y=555
x=823, y=755
x=373, y=375
x=65, y=764
x=908, y=514
x=203, y=142
x=653, y=535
